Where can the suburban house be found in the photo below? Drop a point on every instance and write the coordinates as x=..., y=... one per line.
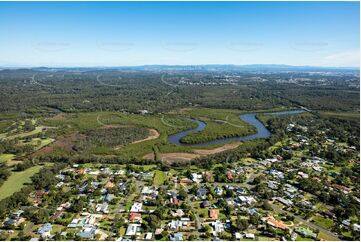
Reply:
x=177, y=213
x=202, y=192
x=135, y=217
x=103, y=207
x=197, y=178
x=176, y=237
x=306, y=232
x=218, y=227
x=206, y=204
x=218, y=191
x=45, y=230
x=136, y=207
x=275, y=223
x=213, y=214
x=133, y=229
x=148, y=236
x=88, y=232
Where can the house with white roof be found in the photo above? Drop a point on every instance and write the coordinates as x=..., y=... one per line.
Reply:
x=103, y=207
x=133, y=229
x=218, y=227
x=197, y=178
x=136, y=207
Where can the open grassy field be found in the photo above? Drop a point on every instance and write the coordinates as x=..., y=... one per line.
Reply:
x=221, y=123
x=354, y=116
x=71, y=128
x=300, y=238
x=6, y=157
x=37, y=142
x=165, y=124
x=264, y=117
x=16, y=181
x=24, y=134
x=159, y=178
x=325, y=237
x=323, y=222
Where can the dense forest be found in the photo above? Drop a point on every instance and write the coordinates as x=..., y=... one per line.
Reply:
x=159, y=91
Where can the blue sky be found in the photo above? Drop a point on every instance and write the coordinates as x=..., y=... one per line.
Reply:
x=135, y=33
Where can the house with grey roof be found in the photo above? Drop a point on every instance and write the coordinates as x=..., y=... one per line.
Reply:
x=45, y=230
x=88, y=232
x=176, y=237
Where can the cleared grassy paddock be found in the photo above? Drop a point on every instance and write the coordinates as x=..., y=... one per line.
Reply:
x=159, y=178
x=222, y=123
x=6, y=157
x=164, y=124
x=16, y=181
x=24, y=134
x=354, y=116
x=38, y=143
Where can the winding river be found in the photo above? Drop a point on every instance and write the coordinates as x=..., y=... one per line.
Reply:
x=250, y=118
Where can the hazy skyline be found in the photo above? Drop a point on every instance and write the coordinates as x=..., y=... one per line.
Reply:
x=181, y=33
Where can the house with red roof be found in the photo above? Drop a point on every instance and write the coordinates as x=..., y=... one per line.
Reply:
x=213, y=214
x=135, y=216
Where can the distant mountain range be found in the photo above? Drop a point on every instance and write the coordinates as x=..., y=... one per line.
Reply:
x=211, y=67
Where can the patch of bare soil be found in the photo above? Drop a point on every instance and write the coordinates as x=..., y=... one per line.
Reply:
x=217, y=150
x=59, y=117
x=62, y=142
x=172, y=157
x=182, y=156
x=149, y=156
x=153, y=134
x=182, y=110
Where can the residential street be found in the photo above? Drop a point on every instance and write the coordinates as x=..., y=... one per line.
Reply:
x=299, y=219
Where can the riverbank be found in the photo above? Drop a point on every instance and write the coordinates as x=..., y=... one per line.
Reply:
x=248, y=118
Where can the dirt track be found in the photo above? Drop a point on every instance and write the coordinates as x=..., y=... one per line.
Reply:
x=59, y=117
x=217, y=150
x=171, y=157
x=182, y=156
x=153, y=134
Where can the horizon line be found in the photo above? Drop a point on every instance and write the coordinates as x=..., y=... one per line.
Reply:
x=179, y=65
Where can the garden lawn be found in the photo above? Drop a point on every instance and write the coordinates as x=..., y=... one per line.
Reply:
x=324, y=236
x=300, y=238
x=323, y=222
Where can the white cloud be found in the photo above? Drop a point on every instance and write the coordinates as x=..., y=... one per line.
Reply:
x=347, y=58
